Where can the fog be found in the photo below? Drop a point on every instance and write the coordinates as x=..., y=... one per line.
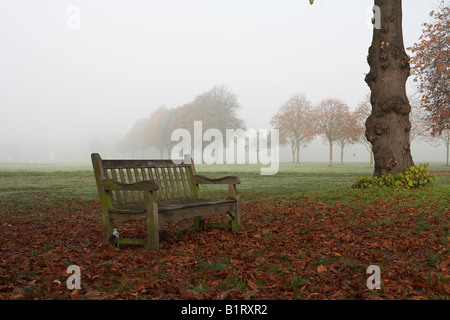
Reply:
x=76, y=75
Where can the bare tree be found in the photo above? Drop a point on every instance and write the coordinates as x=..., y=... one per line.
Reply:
x=330, y=118
x=157, y=130
x=361, y=113
x=420, y=122
x=217, y=108
x=135, y=140
x=294, y=122
x=350, y=133
x=445, y=138
x=442, y=139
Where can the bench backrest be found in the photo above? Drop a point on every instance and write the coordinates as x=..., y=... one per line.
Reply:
x=175, y=181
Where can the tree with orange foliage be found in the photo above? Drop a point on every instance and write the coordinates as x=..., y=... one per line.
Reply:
x=431, y=69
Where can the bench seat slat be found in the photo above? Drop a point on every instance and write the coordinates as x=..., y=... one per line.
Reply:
x=191, y=204
x=168, y=206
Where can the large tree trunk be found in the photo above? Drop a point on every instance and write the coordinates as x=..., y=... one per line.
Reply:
x=298, y=155
x=388, y=127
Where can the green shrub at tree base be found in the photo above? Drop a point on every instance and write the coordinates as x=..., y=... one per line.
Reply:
x=414, y=177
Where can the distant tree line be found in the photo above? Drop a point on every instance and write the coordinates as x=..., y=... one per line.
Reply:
x=217, y=108
x=299, y=122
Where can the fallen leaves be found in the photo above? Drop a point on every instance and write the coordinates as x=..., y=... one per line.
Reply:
x=321, y=269
x=296, y=248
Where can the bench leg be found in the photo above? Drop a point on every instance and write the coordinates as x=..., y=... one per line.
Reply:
x=198, y=225
x=107, y=228
x=152, y=233
x=236, y=219
x=152, y=225
x=236, y=216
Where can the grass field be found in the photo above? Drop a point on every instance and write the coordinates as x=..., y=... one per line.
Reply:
x=306, y=235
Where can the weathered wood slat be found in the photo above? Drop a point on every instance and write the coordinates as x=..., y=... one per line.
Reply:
x=225, y=180
x=121, y=164
x=186, y=173
x=195, y=203
x=171, y=183
x=162, y=191
x=190, y=212
x=177, y=183
x=164, y=182
x=144, y=174
x=138, y=179
x=154, y=178
x=123, y=179
x=117, y=193
x=132, y=179
x=110, y=185
x=183, y=181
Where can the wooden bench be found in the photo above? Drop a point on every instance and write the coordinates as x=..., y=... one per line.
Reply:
x=158, y=191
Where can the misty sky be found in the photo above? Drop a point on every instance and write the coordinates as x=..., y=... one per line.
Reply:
x=65, y=86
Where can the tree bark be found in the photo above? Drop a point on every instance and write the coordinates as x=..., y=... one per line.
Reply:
x=298, y=155
x=293, y=154
x=371, y=157
x=331, y=154
x=388, y=126
x=342, y=154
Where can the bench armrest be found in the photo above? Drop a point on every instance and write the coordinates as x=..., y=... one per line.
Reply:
x=198, y=179
x=146, y=185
